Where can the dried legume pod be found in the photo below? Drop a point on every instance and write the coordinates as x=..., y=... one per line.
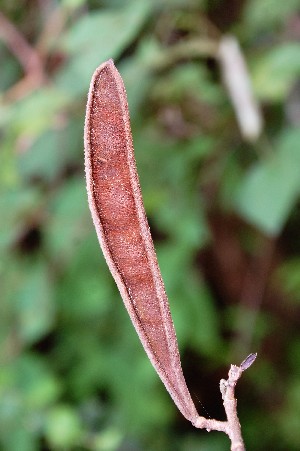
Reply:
x=119, y=217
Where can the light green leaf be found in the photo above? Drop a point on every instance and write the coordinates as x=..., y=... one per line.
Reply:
x=36, y=113
x=33, y=380
x=63, y=427
x=274, y=72
x=289, y=276
x=27, y=386
x=69, y=220
x=97, y=37
x=51, y=152
x=34, y=303
x=137, y=74
x=270, y=189
x=267, y=14
x=15, y=206
x=108, y=440
x=87, y=276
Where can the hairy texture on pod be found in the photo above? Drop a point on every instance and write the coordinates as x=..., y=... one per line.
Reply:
x=119, y=217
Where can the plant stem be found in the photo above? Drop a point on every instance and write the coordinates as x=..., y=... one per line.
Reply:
x=232, y=426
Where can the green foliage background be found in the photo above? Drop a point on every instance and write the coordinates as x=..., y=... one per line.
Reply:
x=224, y=214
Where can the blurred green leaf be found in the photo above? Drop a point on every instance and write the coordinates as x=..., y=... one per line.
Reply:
x=32, y=116
x=69, y=220
x=51, y=153
x=289, y=276
x=63, y=428
x=108, y=440
x=72, y=4
x=27, y=301
x=262, y=15
x=87, y=276
x=211, y=442
x=191, y=304
x=17, y=206
x=96, y=38
x=32, y=379
x=275, y=72
x=34, y=303
x=10, y=71
x=137, y=75
x=27, y=387
x=289, y=414
x=270, y=188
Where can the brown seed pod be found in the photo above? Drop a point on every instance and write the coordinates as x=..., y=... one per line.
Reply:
x=119, y=217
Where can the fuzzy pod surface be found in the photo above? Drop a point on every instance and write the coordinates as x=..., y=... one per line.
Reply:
x=118, y=213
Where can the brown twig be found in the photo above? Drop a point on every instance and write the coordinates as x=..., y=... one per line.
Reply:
x=27, y=56
x=232, y=426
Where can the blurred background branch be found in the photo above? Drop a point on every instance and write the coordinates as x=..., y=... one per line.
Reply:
x=27, y=56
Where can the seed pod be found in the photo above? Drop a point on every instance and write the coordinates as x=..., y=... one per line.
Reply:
x=119, y=217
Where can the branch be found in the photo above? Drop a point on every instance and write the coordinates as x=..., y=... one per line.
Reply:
x=237, y=81
x=27, y=56
x=192, y=48
x=232, y=426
